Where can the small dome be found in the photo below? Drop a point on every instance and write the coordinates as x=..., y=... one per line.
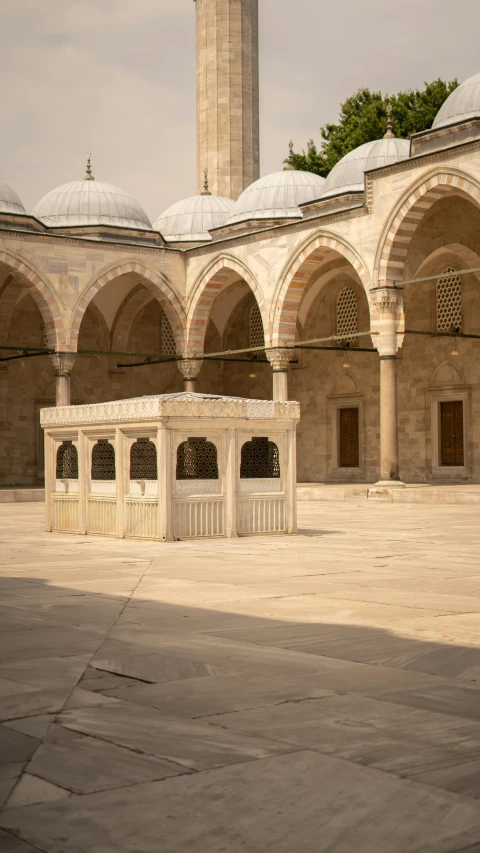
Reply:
x=463, y=103
x=9, y=200
x=277, y=196
x=191, y=219
x=90, y=202
x=348, y=174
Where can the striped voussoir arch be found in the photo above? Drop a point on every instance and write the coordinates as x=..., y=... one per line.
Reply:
x=153, y=281
x=21, y=273
x=296, y=279
x=410, y=214
x=216, y=279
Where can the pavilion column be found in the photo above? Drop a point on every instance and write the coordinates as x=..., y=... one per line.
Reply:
x=190, y=368
x=63, y=363
x=389, y=304
x=279, y=359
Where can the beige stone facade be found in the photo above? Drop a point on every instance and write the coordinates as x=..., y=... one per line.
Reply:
x=227, y=95
x=123, y=314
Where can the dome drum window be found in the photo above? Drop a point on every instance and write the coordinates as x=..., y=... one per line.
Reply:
x=198, y=472
x=449, y=302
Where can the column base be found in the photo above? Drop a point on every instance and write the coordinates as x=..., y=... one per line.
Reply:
x=390, y=484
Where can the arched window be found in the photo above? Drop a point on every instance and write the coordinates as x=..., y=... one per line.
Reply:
x=449, y=301
x=143, y=460
x=347, y=326
x=260, y=459
x=257, y=336
x=103, y=460
x=169, y=346
x=67, y=461
x=197, y=460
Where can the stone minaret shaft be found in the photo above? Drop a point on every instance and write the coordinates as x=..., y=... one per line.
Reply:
x=227, y=95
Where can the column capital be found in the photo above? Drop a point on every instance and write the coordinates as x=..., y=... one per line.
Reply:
x=190, y=367
x=279, y=359
x=388, y=300
x=63, y=362
x=388, y=321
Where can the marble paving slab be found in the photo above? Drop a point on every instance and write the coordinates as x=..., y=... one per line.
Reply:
x=192, y=744
x=85, y=765
x=203, y=697
x=321, y=803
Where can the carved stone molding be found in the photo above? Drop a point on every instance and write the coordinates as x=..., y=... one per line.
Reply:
x=182, y=405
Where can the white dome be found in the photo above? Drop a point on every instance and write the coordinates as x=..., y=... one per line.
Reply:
x=463, y=103
x=90, y=202
x=348, y=174
x=9, y=200
x=191, y=219
x=277, y=196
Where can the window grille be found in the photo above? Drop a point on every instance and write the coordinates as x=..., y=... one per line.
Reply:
x=260, y=459
x=257, y=336
x=197, y=460
x=449, y=301
x=103, y=460
x=143, y=460
x=67, y=461
x=347, y=326
x=169, y=346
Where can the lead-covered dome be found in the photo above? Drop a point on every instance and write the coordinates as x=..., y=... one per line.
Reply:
x=91, y=202
x=277, y=196
x=462, y=104
x=9, y=200
x=191, y=219
x=348, y=175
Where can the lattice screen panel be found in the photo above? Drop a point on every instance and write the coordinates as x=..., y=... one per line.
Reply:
x=143, y=460
x=67, y=461
x=260, y=459
x=449, y=301
x=103, y=460
x=347, y=325
x=257, y=336
x=168, y=338
x=197, y=460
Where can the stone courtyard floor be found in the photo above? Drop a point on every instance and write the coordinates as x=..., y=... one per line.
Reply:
x=318, y=693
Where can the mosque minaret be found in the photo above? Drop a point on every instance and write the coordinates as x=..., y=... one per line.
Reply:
x=227, y=95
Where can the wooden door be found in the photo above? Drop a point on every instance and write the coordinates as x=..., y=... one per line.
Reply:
x=451, y=433
x=349, y=438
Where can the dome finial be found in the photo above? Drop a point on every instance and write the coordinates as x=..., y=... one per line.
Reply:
x=206, y=191
x=88, y=173
x=389, y=134
x=289, y=167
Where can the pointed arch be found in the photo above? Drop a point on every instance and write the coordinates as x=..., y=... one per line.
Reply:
x=154, y=280
x=209, y=284
x=23, y=275
x=409, y=211
x=296, y=275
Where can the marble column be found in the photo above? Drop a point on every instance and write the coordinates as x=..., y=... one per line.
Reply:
x=280, y=359
x=389, y=304
x=63, y=363
x=190, y=368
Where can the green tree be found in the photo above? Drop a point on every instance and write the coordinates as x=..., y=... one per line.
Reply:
x=363, y=118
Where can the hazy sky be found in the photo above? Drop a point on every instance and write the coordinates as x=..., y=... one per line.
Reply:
x=118, y=77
